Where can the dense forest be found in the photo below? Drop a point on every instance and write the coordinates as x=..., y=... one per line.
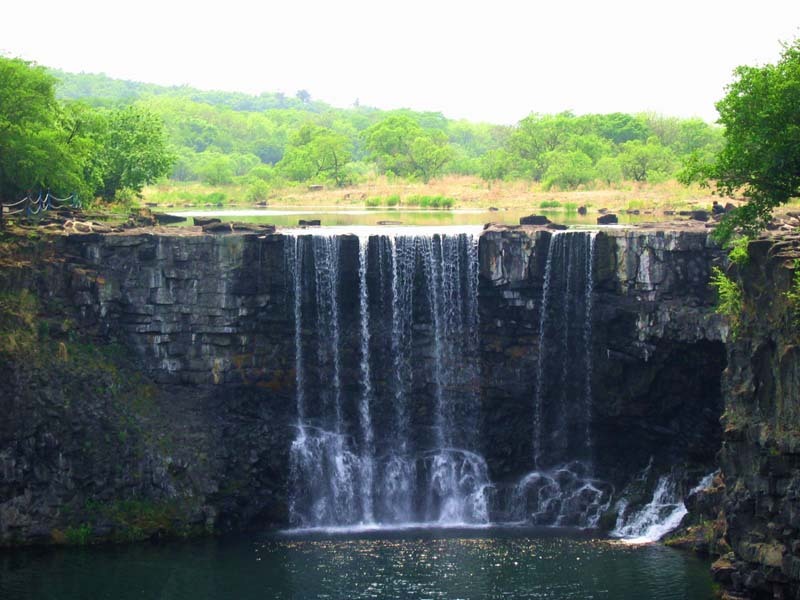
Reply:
x=108, y=138
x=272, y=139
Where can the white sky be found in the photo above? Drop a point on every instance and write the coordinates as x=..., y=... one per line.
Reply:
x=493, y=60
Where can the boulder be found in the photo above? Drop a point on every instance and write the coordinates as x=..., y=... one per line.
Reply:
x=235, y=227
x=607, y=219
x=167, y=219
x=534, y=220
x=202, y=221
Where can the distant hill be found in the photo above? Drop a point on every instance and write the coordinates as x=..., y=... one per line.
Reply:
x=101, y=89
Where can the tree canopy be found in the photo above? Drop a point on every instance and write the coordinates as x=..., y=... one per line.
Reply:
x=39, y=145
x=101, y=136
x=72, y=147
x=761, y=155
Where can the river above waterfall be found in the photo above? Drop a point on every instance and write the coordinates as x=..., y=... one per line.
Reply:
x=334, y=216
x=475, y=564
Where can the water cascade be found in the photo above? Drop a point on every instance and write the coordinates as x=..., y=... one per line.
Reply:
x=654, y=520
x=388, y=389
x=658, y=517
x=386, y=372
x=562, y=490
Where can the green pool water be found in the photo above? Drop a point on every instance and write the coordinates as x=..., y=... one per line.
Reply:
x=436, y=564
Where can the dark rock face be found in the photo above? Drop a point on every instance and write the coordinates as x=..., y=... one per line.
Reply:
x=760, y=457
x=185, y=428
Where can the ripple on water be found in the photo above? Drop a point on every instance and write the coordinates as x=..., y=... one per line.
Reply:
x=441, y=565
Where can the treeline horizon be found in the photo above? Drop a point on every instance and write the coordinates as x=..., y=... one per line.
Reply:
x=273, y=140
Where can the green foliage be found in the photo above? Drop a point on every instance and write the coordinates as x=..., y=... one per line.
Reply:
x=550, y=204
x=567, y=170
x=257, y=191
x=738, y=250
x=648, y=161
x=761, y=155
x=132, y=151
x=311, y=141
x=608, y=170
x=41, y=144
x=78, y=536
x=73, y=147
x=317, y=153
x=430, y=201
x=729, y=296
x=217, y=168
x=401, y=146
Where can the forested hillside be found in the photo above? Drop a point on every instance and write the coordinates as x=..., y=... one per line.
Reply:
x=272, y=139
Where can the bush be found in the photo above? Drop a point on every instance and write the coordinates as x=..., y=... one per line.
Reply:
x=729, y=296
x=738, y=250
x=258, y=190
x=430, y=201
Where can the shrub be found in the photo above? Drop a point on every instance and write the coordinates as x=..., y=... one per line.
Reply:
x=738, y=250
x=729, y=296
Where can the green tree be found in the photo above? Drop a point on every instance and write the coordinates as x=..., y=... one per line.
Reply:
x=401, y=146
x=648, y=161
x=317, y=152
x=567, y=170
x=42, y=144
x=535, y=136
x=217, y=168
x=132, y=151
x=608, y=170
x=761, y=155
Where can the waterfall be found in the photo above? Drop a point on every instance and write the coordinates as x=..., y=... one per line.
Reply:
x=400, y=447
x=653, y=521
x=662, y=514
x=562, y=489
x=367, y=458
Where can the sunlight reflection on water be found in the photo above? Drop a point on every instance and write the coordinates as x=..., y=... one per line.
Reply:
x=411, y=564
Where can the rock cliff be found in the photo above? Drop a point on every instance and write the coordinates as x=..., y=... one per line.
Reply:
x=150, y=376
x=760, y=457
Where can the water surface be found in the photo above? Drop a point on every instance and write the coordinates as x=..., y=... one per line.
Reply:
x=436, y=564
x=349, y=217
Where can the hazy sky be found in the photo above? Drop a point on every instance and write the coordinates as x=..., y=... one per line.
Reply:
x=493, y=60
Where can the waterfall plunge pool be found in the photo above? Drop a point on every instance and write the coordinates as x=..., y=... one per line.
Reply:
x=412, y=563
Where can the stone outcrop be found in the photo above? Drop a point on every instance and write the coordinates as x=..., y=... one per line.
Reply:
x=760, y=457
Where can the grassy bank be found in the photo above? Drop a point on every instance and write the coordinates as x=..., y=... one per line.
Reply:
x=445, y=193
